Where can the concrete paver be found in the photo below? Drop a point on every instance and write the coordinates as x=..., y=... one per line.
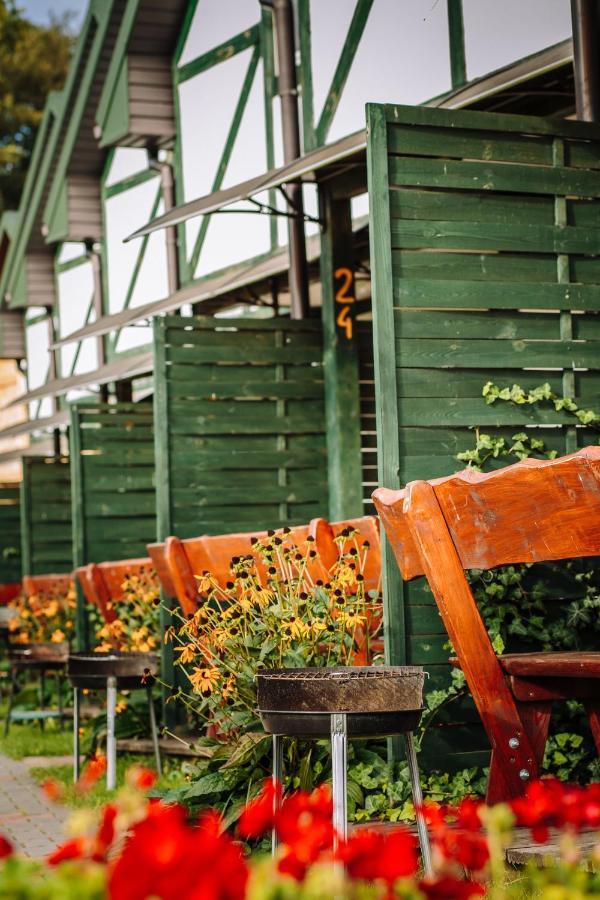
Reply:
x=31, y=822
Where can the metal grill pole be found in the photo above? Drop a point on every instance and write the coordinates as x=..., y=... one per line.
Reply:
x=111, y=741
x=339, y=758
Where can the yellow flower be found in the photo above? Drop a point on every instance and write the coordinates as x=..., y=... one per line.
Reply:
x=51, y=609
x=187, y=653
x=353, y=620
x=296, y=627
x=204, y=680
x=58, y=636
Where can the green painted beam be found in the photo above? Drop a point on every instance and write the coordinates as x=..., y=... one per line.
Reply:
x=235, y=45
x=82, y=636
x=456, y=36
x=164, y=525
x=340, y=76
x=340, y=361
x=386, y=387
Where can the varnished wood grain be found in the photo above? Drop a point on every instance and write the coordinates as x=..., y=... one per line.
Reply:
x=529, y=512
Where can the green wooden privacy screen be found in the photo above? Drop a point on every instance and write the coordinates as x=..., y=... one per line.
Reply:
x=46, y=533
x=10, y=535
x=485, y=244
x=112, y=472
x=240, y=427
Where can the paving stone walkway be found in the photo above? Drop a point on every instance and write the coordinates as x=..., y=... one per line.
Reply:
x=32, y=823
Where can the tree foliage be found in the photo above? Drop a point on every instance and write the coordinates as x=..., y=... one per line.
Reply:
x=33, y=61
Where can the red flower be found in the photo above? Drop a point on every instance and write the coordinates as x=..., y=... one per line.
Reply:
x=467, y=814
x=73, y=849
x=143, y=778
x=303, y=824
x=369, y=855
x=259, y=815
x=468, y=848
x=52, y=789
x=450, y=888
x=6, y=848
x=550, y=804
x=92, y=773
x=171, y=859
x=106, y=832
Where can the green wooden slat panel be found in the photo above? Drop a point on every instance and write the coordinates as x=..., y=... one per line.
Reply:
x=505, y=209
x=481, y=294
x=463, y=144
x=486, y=256
x=498, y=354
x=241, y=426
x=477, y=236
x=117, y=497
x=10, y=534
x=46, y=517
x=485, y=176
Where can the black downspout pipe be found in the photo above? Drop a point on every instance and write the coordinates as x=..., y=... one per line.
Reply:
x=288, y=91
x=585, y=15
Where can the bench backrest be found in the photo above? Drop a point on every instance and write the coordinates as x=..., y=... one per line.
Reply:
x=103, y=582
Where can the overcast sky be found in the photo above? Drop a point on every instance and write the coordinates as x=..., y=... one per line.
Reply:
x=39, y=10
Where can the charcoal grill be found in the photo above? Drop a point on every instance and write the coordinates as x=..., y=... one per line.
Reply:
x=343, y=702
x=39, y=658
x=111, y=672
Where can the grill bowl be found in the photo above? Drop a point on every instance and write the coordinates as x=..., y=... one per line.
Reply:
x=90, y=670
x=351, y=689
x=41, y=656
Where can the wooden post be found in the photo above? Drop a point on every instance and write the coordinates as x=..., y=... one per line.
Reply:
x=340, y=360
x=163, y=507
x=77, y=488
x=25, y=511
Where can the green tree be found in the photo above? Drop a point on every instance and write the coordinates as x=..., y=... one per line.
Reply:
x=33, y=61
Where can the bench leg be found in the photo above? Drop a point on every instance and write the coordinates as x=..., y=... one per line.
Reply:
x=154, y=729
x=535, y=719
x=339, y=756
x=417, y=795
x=277, y=780
x=111, y=741
x=76, y=711
x=592, y=708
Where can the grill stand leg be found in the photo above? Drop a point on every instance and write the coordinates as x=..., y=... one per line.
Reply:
x=111, y=741
x=277, y=779
x=42, y=698
x=11, y=699
x=339, y=754
x=417, y=794
x=76, y=710
x=154, y=729
x=59, y=689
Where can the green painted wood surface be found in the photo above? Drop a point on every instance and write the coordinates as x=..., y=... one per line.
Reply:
x=341, y=361
x=10, y=534
x=485, y=266
x=46, y=530
x=112, y=478
x=240, y=424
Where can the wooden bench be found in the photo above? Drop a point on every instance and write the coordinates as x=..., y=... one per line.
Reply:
x=177, y=561
x=530, y=512
x=102, y=583
x=8, y=592
x=47, y=585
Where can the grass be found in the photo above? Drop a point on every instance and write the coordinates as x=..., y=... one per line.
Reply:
x=27, y=739
x=99, y=795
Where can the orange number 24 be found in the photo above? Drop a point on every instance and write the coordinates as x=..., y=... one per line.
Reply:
x=343, y=295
